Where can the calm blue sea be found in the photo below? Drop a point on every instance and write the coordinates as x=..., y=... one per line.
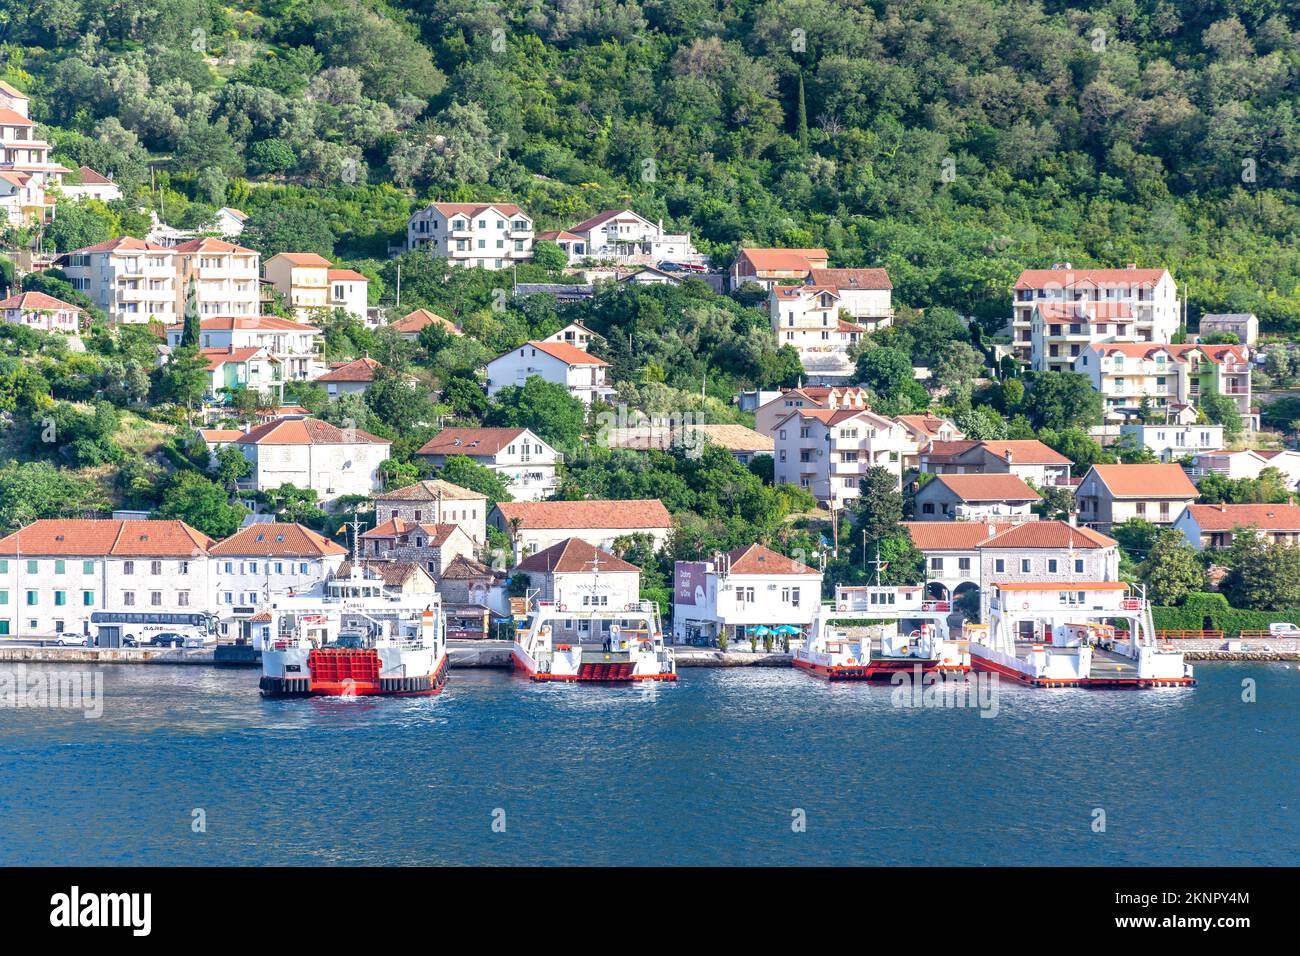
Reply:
x=709, y=771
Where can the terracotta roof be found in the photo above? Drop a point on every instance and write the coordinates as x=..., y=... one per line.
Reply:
x=553, y=234
x=988, y=487
x=947, y=450
x=851, y=278
x=9, y=117
x=438, y=534
x=431, y=489
x=11, y=90
x=36, y=302
x=573, y=555
x=249, y=323
x=1075, y=278
x=1264, y=517
x=732, y=437
x=124, y=243
x=636, y=513
x=1145, y=481
x=392, y=573
x=756, y=559
x=415, y=321
x=463, y=567
x=277, y=539
x=783, y=260
x=951, y=535
x=1049, y=534
x=1026, y=451
x=91, y=178
x=569, y=354
x=209, y=244
x=799, y=291
x=221, y=434
x=603, y=217
x=927, y=425
x=108, y=536
x=219, y=357
x=470, y=441
x=346, y=275
x=1213, y=353
x=308, y=431
x=303, y=259
x=358, y=370
x=474, y=208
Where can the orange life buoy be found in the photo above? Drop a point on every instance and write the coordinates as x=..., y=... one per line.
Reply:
x=1025, y=606
x=844, y=607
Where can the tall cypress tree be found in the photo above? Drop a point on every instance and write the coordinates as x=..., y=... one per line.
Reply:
x=190, y=331
x=803, y=116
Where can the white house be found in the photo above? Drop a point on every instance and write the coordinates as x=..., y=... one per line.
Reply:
x=435, y=501
x=536, y=525
x=735, y=593
x=36, y=310
x=225, y=278
x=828, y=451
x=807, y=318
x=486, y=235
x=263, y=561
x=582, y=374
x=1111, y=494
x=349, y=378
x=575, y=334
x=310, y=453
x=1166, y=375
x=577, y=574
x=1214, y=526
x=250, y=367
x=1249, y=463
x=54, y=573
x=92, y=185
x=1027, y=459
x=623, y=236
x=769, y=267
x=988, y=497
x=961, y=556
x=1078, y=306
x=349, y=291
x=229, y=221
x=524, y=460
x=1173, y=441
x=26, y=170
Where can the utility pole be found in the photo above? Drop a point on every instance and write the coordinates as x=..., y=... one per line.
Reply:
x=398, y=304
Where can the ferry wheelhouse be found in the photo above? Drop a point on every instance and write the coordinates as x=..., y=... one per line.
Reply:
x=352, y=637
x=596, y=644
x=829, y=652
x=1075, y=634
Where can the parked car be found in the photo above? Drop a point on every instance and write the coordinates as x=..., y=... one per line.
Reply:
x=130, y=641
x=71, y=639
x=671, y=267
x=1283, y=629
x=167, y=639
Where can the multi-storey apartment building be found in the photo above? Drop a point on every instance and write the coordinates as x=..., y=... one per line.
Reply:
x=303, y=279
x=486, y=235
x=828, y=451
x=54, y=573
x=26, y=171
x=1127, y=372
x=225, y=278
x=292, y=344
x=769, y=414
x=130, y=279
x=808, y=319
x=1079, y=306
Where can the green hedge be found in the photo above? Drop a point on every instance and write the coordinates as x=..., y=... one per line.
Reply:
x=1191, y=615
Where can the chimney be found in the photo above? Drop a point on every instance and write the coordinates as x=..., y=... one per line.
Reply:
x=1132, y=265
x=1010, y=456
x=1073, y=518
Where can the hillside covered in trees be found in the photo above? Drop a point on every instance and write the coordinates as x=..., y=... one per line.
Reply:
x=953, y=142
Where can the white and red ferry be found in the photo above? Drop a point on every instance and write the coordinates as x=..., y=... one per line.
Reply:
x=556, y=643
x=1068, y=634
x=828, y=652
x=354, y=637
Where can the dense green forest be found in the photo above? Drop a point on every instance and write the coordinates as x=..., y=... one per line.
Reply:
x=952, y=141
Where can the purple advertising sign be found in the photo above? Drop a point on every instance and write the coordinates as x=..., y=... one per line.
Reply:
x=688, y=582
